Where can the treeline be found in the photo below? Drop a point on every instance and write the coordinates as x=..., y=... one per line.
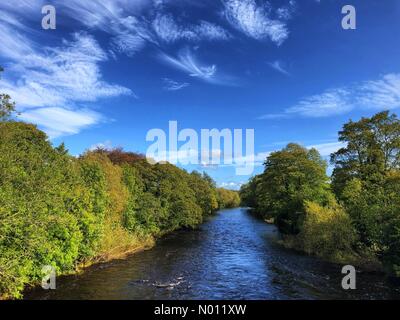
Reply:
x=66, y=212
x=354, y=216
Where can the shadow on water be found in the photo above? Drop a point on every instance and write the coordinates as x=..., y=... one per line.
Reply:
x=233, y=255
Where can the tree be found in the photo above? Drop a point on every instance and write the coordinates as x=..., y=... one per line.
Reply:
x=7, y=107
x=366, y=180
x=372, y=149
x=292, y=176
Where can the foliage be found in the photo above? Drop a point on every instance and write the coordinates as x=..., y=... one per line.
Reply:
x=366, y=179
x=46, y=207
x=291, y=177
x=7, y=107
x=327, y=232
x=228, y=198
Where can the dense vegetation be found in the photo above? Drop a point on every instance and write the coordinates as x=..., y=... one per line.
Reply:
x=352, y=216
x=63, y=211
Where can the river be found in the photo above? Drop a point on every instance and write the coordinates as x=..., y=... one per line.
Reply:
x=233, y=255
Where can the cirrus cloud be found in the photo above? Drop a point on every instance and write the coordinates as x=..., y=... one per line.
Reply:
x=380, y=94
x=256, y=21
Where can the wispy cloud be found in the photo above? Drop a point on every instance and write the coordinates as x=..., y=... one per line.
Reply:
x=188, y=63
x=326, y=149
x=378, y=94
x=121, y=19
x=278, y=66
x=381, y=94
x=47, y=83
x=132, y=25
x=59, y=76
x=256, y=20
x=172, y=85
x=168, y=30
x=60, y=121
x=127, y=43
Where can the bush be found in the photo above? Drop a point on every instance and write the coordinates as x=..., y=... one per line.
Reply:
x=327, y=232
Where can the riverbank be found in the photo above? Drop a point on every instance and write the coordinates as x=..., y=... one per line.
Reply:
x=366, y=262
x=117, y=253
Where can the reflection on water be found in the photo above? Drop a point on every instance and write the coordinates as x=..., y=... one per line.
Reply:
x=232, y=256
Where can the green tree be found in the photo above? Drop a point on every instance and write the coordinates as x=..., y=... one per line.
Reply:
x=292, y=176
x=366, y=180
x=7, y=107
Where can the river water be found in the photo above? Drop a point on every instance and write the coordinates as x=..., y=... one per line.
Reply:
x=233, y=255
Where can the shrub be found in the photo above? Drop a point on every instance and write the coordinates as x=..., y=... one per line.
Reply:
x=327, y=231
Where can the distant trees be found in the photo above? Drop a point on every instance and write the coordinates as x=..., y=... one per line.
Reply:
x=357, y=214
x=228, y=198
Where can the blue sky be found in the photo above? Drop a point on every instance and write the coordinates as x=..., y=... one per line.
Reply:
x=112, y=70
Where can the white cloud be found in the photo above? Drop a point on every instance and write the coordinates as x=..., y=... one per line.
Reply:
x=172, y=85
x=381, y=94
x=286, y=12
x=188, y=63
x=255, y=20
x=326, y=149
x=168, y=30
x=378, y=94
x=121, y=19
x=105, y=15
x=58, y=122
x=211, y=31
x=231, y=185
x=102, y=145
x=49, y=82
x=128, y=43
x=59, y=76
x=331, y=102
x=278, y=66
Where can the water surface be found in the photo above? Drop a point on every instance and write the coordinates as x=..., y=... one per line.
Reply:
x=233, y=255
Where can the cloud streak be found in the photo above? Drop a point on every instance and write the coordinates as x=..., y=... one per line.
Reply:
x=172, y=85
x=188, y=63
x=278, y=66
x=380, y=94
